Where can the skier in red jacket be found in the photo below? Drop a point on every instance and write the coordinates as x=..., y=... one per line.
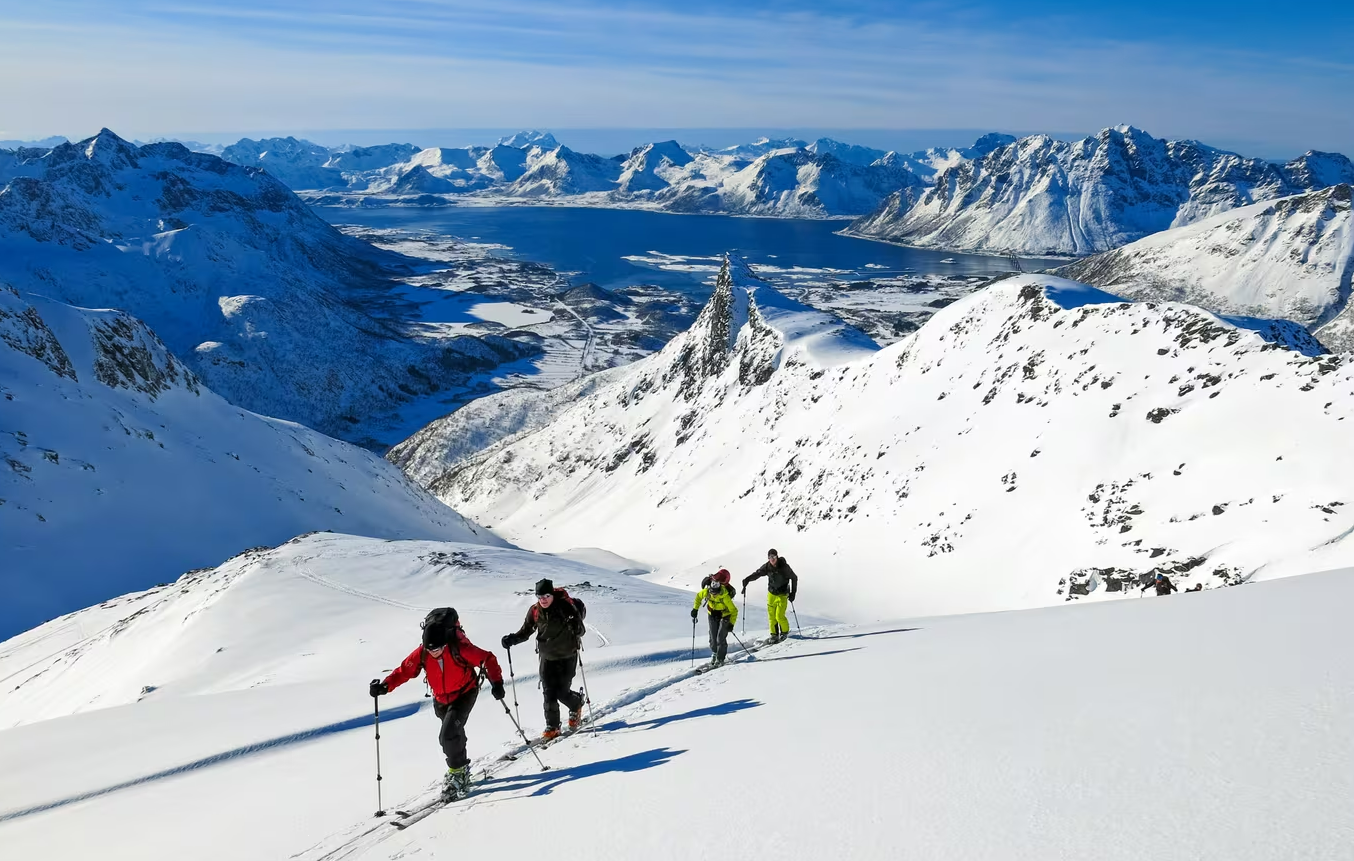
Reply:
x=449, y=661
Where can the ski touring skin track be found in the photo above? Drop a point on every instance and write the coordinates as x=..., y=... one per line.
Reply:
x=421, y=807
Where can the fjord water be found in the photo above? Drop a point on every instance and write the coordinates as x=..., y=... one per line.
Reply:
x=591, y=244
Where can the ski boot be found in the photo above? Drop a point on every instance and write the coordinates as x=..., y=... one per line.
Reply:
x=456, y=784
x=575, y=718
x=551, y=733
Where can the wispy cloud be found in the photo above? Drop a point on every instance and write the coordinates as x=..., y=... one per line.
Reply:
x=146, y=66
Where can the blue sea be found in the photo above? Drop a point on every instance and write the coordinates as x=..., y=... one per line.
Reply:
x=590, y=244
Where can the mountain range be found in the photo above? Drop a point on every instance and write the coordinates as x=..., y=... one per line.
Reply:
x=1036, y=442
x=1043, y=197
x=272, y=307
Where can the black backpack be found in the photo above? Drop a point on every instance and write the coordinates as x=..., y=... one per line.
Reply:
x=439, y=627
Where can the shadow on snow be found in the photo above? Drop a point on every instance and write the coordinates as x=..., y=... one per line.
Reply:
x=807, y=655
x=728, y=708
x=547, y=781
x=216, y=759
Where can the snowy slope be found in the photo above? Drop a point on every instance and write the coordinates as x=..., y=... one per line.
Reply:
x=1291, y=258
x=1041, y=196
x=276, y=310
x=120, y=470
x=484, y=421
x=1035, y=440
x=1201, y=726
x=313, y=609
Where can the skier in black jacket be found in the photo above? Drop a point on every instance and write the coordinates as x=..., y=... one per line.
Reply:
x=557, y=620
x=782, y=584
x=1162, y=584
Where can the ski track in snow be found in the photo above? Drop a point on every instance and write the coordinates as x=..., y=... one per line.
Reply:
x=366, y=836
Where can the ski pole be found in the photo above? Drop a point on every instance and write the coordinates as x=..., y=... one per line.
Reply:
x=376, y=721
x=740, y=642
x=587, y=697
x=792, y=610
x=525, y=740
x=693, y=642
x=513, y=676
x=745, y=611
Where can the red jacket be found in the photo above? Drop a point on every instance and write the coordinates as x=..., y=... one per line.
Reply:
x=453, y=675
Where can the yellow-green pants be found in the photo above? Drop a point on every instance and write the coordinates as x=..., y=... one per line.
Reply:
x=775, y=612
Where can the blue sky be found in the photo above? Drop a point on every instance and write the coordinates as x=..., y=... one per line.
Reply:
x=1249, y=76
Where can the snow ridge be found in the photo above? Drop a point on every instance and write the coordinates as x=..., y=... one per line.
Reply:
x=1025, y=436
x=1291, y=258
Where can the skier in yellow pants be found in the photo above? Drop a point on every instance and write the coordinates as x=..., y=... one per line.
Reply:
x=782, y=584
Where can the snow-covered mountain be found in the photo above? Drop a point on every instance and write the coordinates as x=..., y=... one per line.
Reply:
x=121, y=470
x=295, y=163
x=360, y=158
x=764, y=180
x=561, y=171
x=1035, y=440
x=761, y=146
x=652, y=167
x=851, y=153
x=1041, y=196
x=1291, y=258
x=275, y=309
x=794, y=183
x=529, y=139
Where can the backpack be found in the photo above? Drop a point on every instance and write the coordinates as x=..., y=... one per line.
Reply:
x=439, y=627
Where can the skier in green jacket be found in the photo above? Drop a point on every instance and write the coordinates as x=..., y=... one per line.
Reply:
x=782, y=584
x=723, y=612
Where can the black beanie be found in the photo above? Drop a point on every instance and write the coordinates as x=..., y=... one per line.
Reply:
x=544, y=587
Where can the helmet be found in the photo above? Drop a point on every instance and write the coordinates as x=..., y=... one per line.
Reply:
x=721, y=576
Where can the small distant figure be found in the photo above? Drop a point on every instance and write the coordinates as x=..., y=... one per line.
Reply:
x=717, y=596
x=1162, y=584
x=782, y=584
x=1197, y=587
x=557, y=619
x=453, y=667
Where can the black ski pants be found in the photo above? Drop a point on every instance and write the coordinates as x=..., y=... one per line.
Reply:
x=453, y=716
x=557, y=675
x=719, y=635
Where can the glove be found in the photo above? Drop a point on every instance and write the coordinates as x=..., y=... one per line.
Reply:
x=693, y=614
x=377, y=688
x=497, y=690
x=506, y=642
x=745, y=587
x=792, y=597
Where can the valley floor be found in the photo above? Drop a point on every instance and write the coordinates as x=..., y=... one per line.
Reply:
x=1208, y=726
